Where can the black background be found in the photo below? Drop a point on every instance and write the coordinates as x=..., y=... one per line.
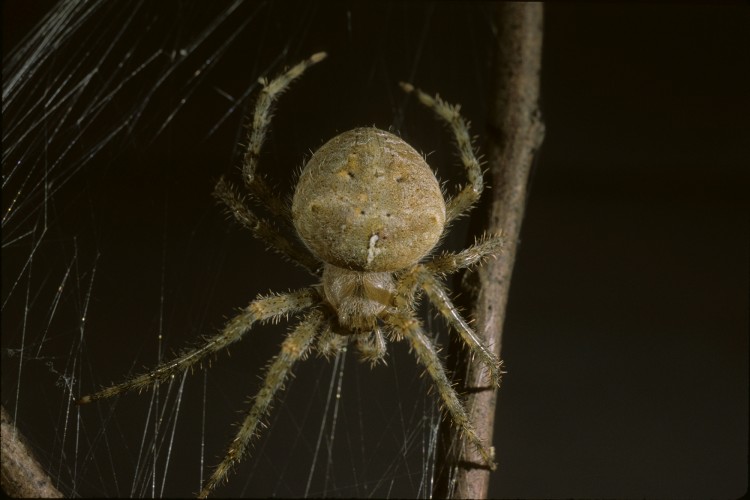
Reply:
x=627, y=334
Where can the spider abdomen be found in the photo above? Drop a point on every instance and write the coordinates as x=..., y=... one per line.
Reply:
x=368, y=201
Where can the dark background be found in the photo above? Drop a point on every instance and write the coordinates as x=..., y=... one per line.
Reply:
x=627, y=334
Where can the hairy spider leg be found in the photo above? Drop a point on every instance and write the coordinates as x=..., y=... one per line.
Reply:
x=257, y=136
x=451, y=115
x=294, y=348
x=272, y=307
x=449, y=262
x=406, y=325
x=263, y=229
x=226, y=193
x=440, y=299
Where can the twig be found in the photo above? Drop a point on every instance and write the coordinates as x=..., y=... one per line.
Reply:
x=22, y=476
x=516, y=132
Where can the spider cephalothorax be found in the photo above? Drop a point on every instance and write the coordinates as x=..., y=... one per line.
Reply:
x=369, y=213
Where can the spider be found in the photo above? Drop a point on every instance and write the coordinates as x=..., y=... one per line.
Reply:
x=368, y=211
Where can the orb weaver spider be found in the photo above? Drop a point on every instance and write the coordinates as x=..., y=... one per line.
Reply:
x=368, y=211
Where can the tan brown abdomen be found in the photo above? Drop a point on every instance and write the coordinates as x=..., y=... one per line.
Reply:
x=368, y=201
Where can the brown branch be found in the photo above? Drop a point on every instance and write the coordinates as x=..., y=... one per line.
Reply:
x=22, y=476
x=516, y=132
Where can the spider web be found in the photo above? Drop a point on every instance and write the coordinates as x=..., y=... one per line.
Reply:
x=118, y=118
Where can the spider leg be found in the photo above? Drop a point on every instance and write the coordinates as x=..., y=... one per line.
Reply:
x=450, y=262
x=263, y=229
x=257, y=135
x=272, y=307
x=451, y=115
x=295, y=347
x=408, y=326
x=441, y=300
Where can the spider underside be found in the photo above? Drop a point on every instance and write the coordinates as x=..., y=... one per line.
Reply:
x=370, y=253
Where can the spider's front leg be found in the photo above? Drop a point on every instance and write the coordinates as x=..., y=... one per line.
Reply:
x=295, y=347
x=273, y=307
x=440, y=299
x=406, y=325
x=423, y=276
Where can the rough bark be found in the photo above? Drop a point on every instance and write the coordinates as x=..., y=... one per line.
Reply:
x=22, y=476
x=515, y=133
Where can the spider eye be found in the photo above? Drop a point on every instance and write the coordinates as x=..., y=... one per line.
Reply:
x=368, y=201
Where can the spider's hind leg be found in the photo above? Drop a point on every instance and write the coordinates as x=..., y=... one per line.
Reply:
x=263, y=229
x=258, y=130
x=451, y=115
x=256, y=185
